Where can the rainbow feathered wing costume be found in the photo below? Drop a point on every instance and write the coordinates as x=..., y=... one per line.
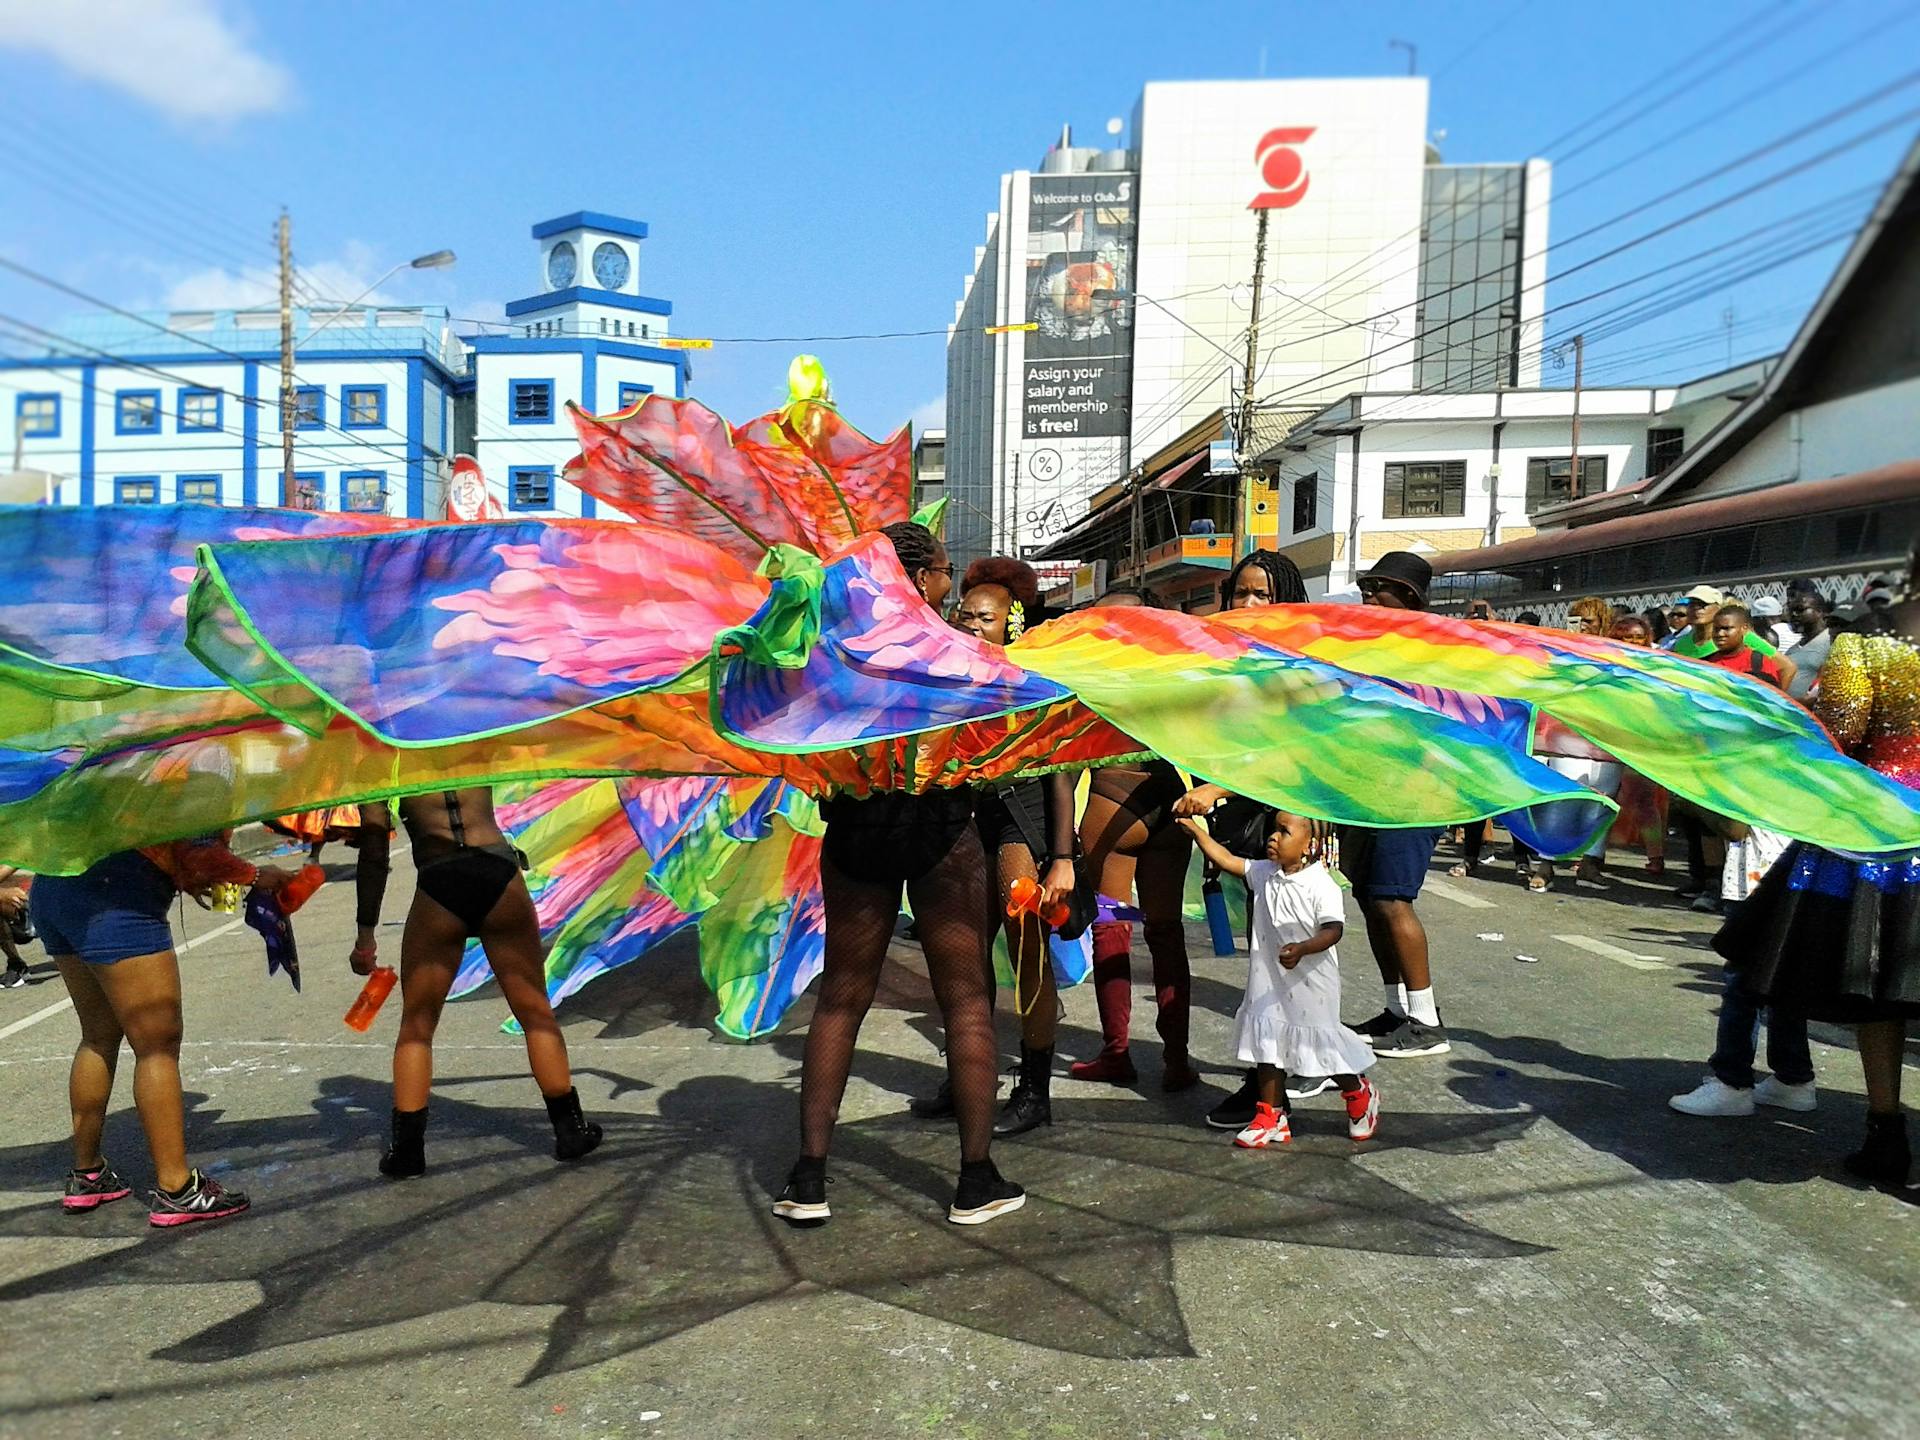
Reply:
x=747, y=643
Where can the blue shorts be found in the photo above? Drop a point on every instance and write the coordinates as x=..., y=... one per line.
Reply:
x=1386, y=864
x=115, y=910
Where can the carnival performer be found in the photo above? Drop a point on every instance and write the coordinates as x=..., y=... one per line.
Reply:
x=1134, y=847
x=1027, y=833
x=107, y=931
x=874, y=846
x=1289, y=1019
x=467, y=885
x=1836, y=937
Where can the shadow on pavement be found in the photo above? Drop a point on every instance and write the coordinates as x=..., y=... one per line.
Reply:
x=1619, y=1105
x=668, y=1225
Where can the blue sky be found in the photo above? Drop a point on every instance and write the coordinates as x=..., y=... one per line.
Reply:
x=825, y=169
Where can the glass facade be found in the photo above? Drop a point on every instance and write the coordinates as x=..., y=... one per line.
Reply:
x=1468, y=319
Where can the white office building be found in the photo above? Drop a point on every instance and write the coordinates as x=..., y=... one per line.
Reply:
x=1124, y=279
x=185, y=406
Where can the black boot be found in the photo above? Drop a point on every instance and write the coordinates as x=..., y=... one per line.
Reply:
x=406, y=1157
x=1885, y=1159
x=937, y=1106
x=574, y=1138
x=1031, y=1103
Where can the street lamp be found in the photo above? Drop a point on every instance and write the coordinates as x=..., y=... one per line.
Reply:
x=289, y=490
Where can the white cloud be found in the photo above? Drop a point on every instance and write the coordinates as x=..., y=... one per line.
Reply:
x=183, y=57
x=315, y=282
x=930, y=416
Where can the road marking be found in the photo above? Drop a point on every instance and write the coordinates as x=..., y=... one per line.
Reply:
x=59, y=1005
x=1459, y=896
x=1612, y=952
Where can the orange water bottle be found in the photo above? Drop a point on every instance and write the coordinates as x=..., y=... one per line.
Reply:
x=297, y=891
x=372, y=996
x=1023, y=898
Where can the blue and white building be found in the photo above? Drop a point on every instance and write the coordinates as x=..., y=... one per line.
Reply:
x=590, y=338
x=186, y=405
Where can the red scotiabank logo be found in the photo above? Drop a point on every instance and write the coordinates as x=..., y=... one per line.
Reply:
x=1282, y=170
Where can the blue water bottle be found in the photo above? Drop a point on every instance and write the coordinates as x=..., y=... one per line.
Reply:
x=1218, y=921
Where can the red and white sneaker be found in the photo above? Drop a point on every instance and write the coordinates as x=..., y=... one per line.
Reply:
x=1268, y=1127
x=1363, y=1109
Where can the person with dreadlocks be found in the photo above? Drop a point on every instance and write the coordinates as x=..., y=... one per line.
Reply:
x=1289, y=1020
x=1265, y=577
x=1027, y=832
x=875, y=845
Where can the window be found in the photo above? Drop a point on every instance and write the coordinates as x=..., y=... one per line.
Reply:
x=136, y=490
x=38, y=416
x=1426, y=487
x=1549, y=479
x=632, y=393
x=1663, y=449
x=532, y=402
x=309, y=489
x=136, y=412
x=364, y=491
x=530, y=487
x=204, y=489
x=1306, y=502
x=363, y=407
x=199, y=410
x=309, y=407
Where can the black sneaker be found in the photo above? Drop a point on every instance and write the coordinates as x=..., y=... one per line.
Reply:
x=803, y=1200
x=1236, y=1111
x=937, y=1106
x=200, y=1198
x=984, y=1196
x=15, y=978
x=90, y=1189
x=1025, y=1110
x=1410, y=1038
x=1385, y=1023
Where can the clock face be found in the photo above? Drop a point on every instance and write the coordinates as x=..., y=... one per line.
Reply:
x=562, y=265
x=610, y=266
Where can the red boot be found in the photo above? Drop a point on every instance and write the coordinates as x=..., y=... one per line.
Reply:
x=1113, y=993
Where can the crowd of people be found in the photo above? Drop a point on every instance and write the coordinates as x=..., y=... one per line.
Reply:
x=1806, y=934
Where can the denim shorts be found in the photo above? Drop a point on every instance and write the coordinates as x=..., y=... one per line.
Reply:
x=115, y=910
x=1386, y=864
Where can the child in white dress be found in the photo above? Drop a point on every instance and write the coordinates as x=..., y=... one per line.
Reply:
x=1290, y=1018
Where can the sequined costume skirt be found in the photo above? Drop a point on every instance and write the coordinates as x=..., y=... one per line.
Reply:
x=1839, y=938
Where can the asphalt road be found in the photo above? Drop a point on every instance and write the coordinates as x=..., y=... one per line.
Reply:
x=1535, y=1245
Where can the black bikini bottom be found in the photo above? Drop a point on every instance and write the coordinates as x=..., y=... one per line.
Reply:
x=894, y=838
x=469, y=881
x=1144, y=791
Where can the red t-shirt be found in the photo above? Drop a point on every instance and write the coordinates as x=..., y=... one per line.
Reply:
x=1749, y=662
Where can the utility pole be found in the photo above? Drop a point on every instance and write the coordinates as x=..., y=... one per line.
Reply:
x=1243, y=437
x=289, y=492
x=1573, y=477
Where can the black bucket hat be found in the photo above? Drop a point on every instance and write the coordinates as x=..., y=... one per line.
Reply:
x=1402, y=568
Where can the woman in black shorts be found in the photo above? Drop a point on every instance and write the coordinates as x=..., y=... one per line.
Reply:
x=467, y=884
x=1132, y=843
x=1026, y=831
x=873, y=847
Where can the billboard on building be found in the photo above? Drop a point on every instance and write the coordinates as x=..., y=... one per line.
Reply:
x=1077, y=371
x=1079, y=359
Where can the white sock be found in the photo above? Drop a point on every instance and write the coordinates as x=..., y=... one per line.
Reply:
x=1421, y=1008
x=1397, y=999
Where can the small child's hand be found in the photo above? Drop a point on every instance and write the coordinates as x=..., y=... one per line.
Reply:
x=1289, y=956
x=1192, y=826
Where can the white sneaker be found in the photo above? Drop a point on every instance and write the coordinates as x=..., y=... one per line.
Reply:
x=1714, y=1097
x=1772, y=1091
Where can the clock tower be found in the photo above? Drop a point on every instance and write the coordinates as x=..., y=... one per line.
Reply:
x=590, y=282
